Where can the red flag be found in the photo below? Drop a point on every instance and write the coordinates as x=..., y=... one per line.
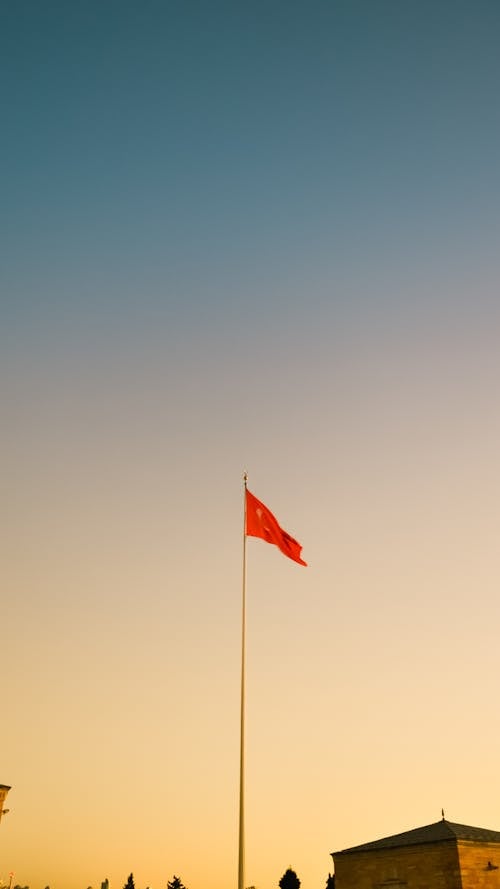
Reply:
x=261, y=523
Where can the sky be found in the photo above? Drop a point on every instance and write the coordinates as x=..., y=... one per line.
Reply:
x=255, y=237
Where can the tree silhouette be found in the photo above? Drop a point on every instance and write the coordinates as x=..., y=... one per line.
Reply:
x=175, y=883
x=330, y=883
x=289, y=880
x=130, y=882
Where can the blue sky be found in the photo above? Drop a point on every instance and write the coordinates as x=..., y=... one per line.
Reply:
x=256, y=237
x=157, y=142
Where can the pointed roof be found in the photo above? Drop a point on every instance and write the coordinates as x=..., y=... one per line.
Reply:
x=439, y=832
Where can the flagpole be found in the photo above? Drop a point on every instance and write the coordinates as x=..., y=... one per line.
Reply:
x=241, y=847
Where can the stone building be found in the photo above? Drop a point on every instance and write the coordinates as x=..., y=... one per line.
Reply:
x=4, y=789
x=438, y=856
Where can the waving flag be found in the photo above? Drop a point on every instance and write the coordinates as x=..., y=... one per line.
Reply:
x=260, y=522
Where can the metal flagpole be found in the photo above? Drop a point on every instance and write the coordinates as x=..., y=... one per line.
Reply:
x=241, y=849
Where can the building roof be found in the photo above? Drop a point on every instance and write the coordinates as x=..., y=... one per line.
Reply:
x=431, y=833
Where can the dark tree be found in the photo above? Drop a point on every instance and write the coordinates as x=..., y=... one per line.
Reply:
x=175, y=883
x=130, y=882
x=330, y=883
x=289, y=880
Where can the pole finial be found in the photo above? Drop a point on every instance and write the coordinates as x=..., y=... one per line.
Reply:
x=245, y=478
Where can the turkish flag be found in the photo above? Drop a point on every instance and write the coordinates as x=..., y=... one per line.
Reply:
x=260, y=522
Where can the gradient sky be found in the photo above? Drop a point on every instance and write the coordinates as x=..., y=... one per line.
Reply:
x=259, y=237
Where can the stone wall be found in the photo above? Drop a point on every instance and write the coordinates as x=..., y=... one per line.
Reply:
x=479, y=864
x=427, y=866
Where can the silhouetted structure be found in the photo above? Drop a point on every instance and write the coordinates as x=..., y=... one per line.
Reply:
x=438, y=856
